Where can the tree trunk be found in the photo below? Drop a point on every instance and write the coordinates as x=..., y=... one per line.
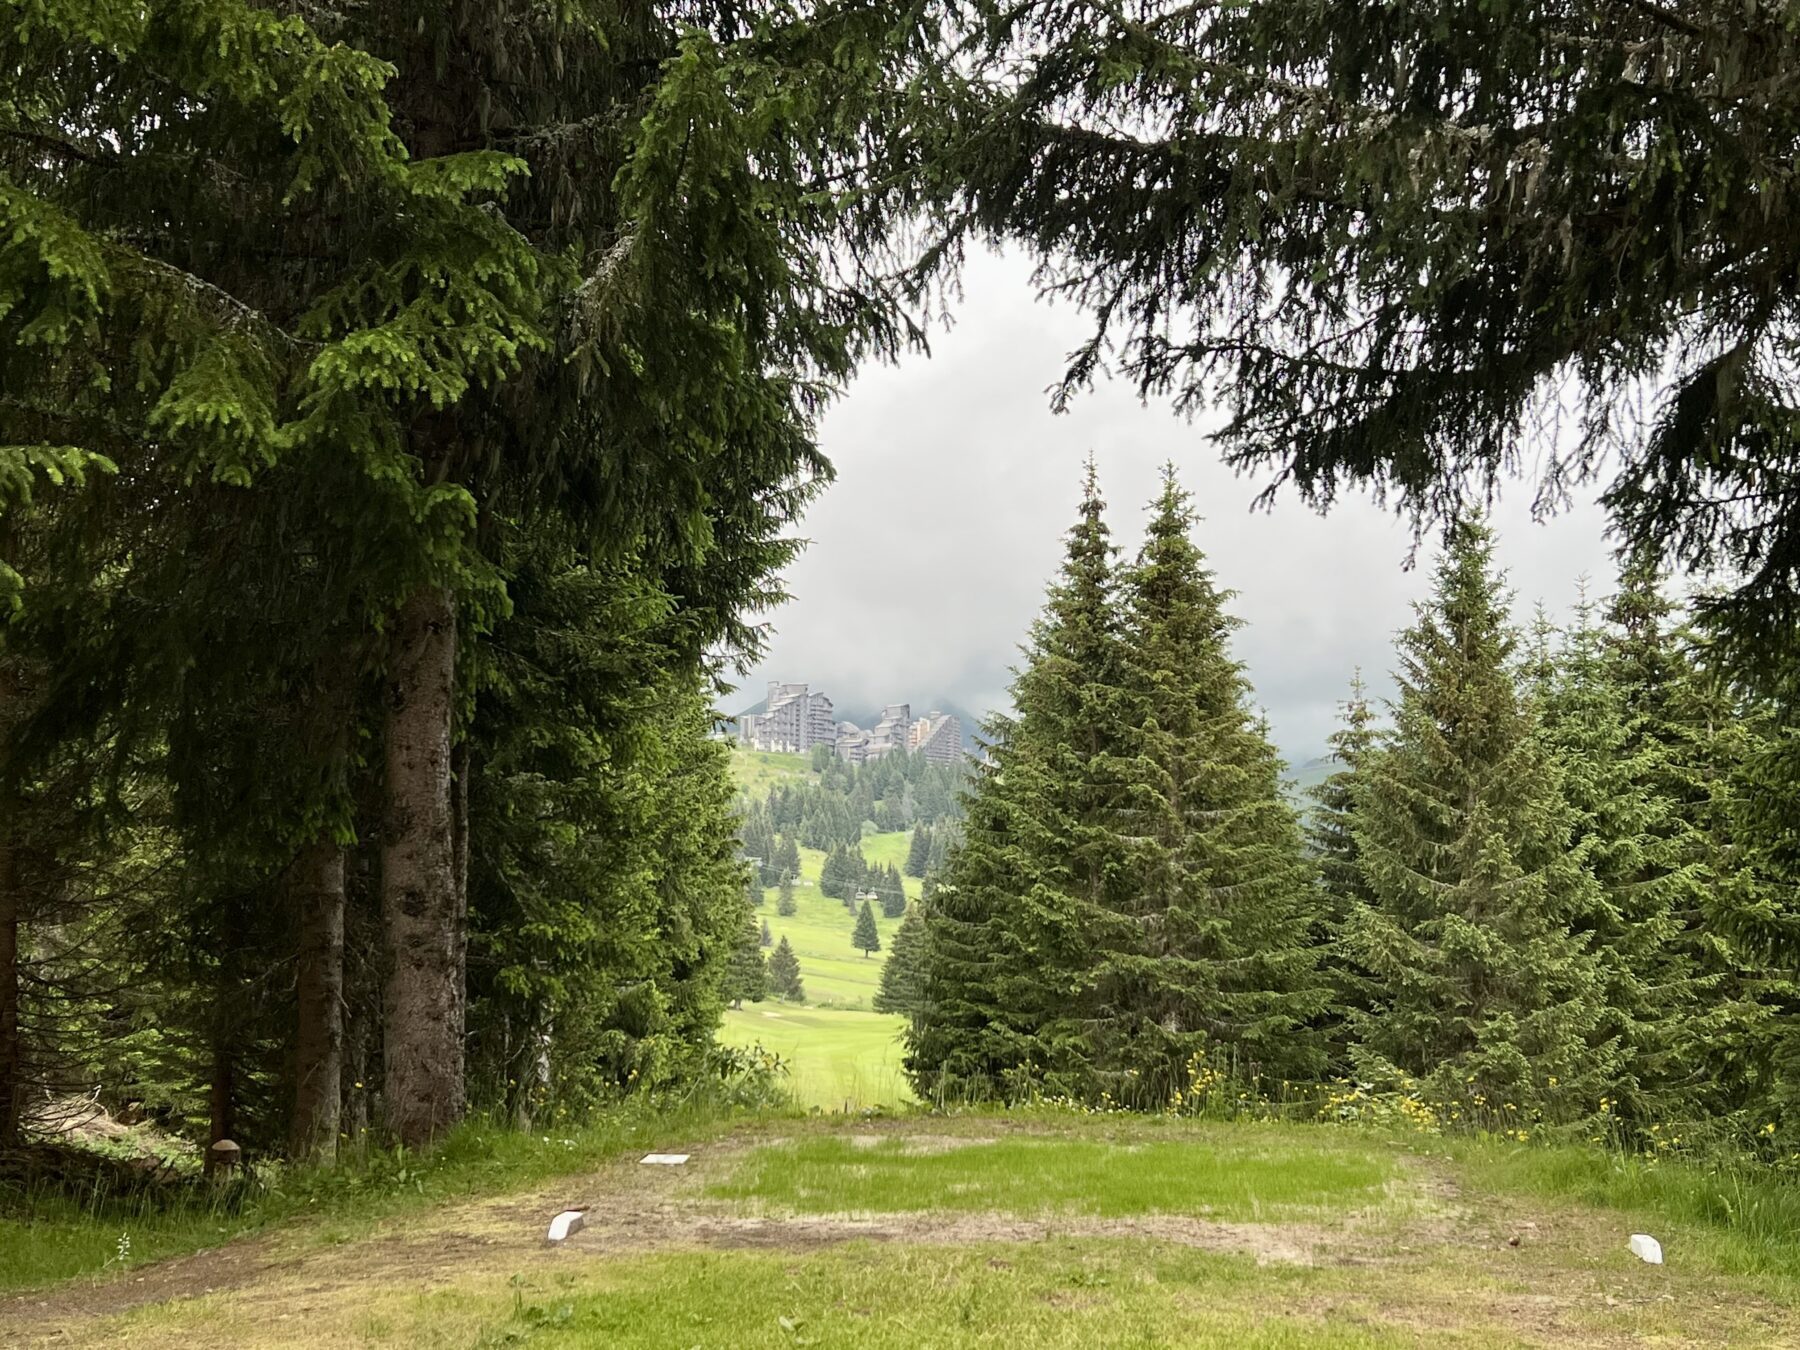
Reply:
x=422, y=1039
x=222, y=1099
x=316, y=882
x=459, y=835
x=12, y=1086
x=12, y=902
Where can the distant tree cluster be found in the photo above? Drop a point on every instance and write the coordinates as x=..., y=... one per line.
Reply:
x=847, y=876
x=893, y=792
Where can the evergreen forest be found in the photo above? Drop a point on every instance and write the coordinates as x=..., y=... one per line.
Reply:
x=1532, y=895
x=409, y=415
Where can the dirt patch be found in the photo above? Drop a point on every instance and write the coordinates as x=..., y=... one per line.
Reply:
x=1448, y=1259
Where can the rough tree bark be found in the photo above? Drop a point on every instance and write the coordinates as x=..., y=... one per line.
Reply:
x=316, y=886
x=12, y=1088
x=422, y=1039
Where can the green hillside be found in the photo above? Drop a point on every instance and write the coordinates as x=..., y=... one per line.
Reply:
x=756, y=771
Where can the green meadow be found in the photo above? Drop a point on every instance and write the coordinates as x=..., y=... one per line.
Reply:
x=981, y=1229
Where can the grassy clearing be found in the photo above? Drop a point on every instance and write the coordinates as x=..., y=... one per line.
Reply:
x=836, y=1057
x=1240, y=1174
x=1738, y=1217
x=1066, y=1294
x=47, y=1237
x=756, y=771
x=936, y=1262
x=835, y=973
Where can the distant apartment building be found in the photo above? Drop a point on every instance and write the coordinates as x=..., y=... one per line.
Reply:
x=937, y=736
x=793, y=720
x=796, y=718
x=892, y=730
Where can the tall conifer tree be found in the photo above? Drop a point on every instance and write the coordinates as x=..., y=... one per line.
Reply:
x=1210, y=949
x=1042, y=869
x=1485, y=986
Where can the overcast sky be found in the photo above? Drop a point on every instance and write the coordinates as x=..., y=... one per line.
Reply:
x=930, y=553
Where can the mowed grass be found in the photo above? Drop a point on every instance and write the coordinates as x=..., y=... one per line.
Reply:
x=1249, y=1173
x=830, y=1235
x=756, y=771
x=1049, y=1296
x=835, y=973
x=836, y=1058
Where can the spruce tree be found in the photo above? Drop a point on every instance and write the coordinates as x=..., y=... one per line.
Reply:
x=918, y=851
x=1331, y=834
x=1626, y=832
x=787, y=856
x=784, y=900
x=866, y=938
x=1210, y=949
x=768, y=939
x=784, y=973
x=1483, y=984
x=891, y=890
x=747, y=976
x=901, y=985
x=1689, y=741
x=1330, y=827
x=1041, y=871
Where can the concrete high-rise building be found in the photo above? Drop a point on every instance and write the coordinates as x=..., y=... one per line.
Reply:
x=937, y=736
x=892, y=730
x=792, y=721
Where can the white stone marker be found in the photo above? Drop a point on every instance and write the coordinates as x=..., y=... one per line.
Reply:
x=664, y=1159
x=1647, y=1248
x=566, y=1224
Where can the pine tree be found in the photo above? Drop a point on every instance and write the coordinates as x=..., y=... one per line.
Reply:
x=747, y=977
x=1330, y=824
x=1212, y=950
x=1041, y=869
x=901, y=987
x=1688, y=743
x=1625, y=831
x=1331, y=833
x=787, y=857
x=866, y=938
x=784, y=973
x=918, y=851
x=1483, y=986
x=784, y=900
x=768, y=939
x=892, y=891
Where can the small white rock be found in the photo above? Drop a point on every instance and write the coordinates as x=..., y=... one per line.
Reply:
x=570, y=1221
x=1646, y=1248
x=665, y=1159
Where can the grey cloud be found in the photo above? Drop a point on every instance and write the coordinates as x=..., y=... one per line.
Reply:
x=930, y=553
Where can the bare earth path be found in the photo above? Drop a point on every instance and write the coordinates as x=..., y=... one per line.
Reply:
x=1429, y=1265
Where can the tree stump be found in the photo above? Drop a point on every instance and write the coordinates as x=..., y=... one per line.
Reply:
x=223, y=1159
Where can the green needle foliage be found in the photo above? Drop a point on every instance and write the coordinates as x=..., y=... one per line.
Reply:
x=903, y=974
x=1216, y=957
x=866, y=938
x=1473, y=927
x=1383, y=236
x=1042, y=870
x=784, y=973
x=1131, y=895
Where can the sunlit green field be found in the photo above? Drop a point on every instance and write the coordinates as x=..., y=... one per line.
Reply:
x=756, y=771
x=837, y=1059
x=835, y=973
